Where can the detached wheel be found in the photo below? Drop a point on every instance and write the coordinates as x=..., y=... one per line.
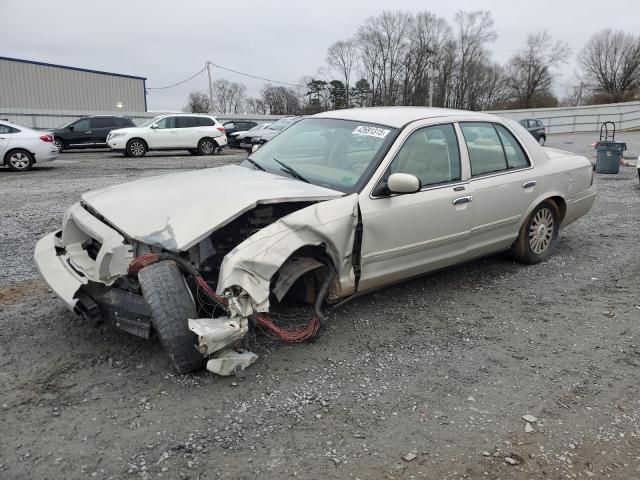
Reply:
x=538, y=235
x=19, y=160
x=136, y=148
x=171, y=304
x=59, y=144
x=207, y=146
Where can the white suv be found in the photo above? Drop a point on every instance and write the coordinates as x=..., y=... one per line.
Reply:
x=199, y=134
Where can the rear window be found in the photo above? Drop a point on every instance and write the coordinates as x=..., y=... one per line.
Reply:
x=186, y=122
x=205, y=122
x=123, y=122
x=103, y=122
x=6, y=129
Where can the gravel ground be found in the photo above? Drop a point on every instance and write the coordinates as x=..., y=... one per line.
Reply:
x=438, y=370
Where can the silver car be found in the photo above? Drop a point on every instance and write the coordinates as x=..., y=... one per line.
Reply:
x=339, y=204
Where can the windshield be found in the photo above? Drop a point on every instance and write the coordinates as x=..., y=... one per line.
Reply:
x=280, y=124
x=336, y=154
x=150, y=121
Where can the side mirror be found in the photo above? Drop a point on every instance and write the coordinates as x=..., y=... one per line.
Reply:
x=403, y=183
x=154, y=126
x=254, y=148
x=71, y=127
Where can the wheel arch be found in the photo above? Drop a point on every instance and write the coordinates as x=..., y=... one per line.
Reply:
x=5, y=159
x=556, y=197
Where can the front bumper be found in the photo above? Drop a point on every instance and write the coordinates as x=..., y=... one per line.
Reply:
x=56, y=270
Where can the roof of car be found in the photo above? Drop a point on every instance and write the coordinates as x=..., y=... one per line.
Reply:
x=398, y=116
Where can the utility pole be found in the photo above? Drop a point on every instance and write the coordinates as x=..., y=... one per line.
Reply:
x=209, y=64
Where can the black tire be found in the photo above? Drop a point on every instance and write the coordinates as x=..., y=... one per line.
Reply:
x=538, y=236
x=19, y=160
x=207, y=146
x=171, y=304
x=542, y=140
x=59, y=144
x=136, y=148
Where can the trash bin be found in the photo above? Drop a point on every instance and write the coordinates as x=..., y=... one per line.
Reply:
x=608, y=151
x=608, y=156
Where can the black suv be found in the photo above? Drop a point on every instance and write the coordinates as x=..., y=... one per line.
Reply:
x=236, y=126
x=88, y=132
x=536, y=128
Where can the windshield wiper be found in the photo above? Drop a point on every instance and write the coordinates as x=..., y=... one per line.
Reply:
x=291, y=171
x=254, y=163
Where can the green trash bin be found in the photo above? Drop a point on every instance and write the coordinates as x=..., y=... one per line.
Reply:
x=608, y=156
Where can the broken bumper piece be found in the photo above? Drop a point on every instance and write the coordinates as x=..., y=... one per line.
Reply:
x=58, y=273
x=231, y=362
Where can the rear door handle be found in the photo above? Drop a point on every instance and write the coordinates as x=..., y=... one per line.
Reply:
x=461, y=200
x=529, y=184
x=88, y=131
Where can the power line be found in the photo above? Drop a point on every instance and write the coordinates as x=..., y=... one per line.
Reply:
x=179, y=83
x=256, y=76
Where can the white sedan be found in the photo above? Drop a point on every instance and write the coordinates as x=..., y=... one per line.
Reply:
x=21, y=147
x=337, y=205
x=199, y=134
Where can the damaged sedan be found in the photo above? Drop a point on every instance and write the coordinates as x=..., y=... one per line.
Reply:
x=339, y=204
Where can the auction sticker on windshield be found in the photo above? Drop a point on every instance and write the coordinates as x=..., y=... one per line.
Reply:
x=371, y=131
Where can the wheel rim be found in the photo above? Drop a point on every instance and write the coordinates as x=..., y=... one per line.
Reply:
x=137, y=149
x=58, y=144
x=541, y=140
x=207, y=147
x=19, y=160
x=541, y=231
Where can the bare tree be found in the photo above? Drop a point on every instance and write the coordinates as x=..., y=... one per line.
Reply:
x=342, y=56
x=473, y=30
x=228, y=96
x=530, y=70
x=575, y=93
x=257, y=106
x=281, y=100
x=198, y=103
x=611, y=64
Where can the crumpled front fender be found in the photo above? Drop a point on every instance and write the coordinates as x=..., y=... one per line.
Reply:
x=330, y=224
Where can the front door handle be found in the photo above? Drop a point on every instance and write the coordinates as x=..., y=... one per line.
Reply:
x=529, y=184
x=461, y=200
x=88, y=131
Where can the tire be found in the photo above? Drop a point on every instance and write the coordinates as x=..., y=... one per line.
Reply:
x=59, y=144
x=538, y=236
x=542, y=140
x=171, y=304
x=136, y=148
x=207, y=146
x=19, y=160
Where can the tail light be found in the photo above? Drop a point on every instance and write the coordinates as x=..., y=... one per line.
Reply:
x=46, y=138
x=220, y=129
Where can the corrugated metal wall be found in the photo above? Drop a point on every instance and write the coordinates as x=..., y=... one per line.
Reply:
x=31, y=85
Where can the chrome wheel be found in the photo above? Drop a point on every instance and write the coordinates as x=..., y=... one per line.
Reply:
x=136, y=148
x=541, y=231
x=207, y=147
x=58, y=144
x=19, y=161
x=541, y=140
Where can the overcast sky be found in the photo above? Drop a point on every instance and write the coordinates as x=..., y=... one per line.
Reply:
x=168, y=41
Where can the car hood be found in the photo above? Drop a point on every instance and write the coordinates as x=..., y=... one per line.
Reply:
x=132, y=130
x=176, y=211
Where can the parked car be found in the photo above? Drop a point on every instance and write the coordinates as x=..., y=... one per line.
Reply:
x=239, y=136
x=21, y=147
x=535, y=128
x=199, y=134
x=236, y=126
x=88, y=132
x=249, y=141
x=337, y=205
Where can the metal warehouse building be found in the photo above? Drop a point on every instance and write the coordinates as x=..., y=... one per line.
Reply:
x=30, y=85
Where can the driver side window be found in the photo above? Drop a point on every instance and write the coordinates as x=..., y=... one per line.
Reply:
x=431, y=154
x=167, y=122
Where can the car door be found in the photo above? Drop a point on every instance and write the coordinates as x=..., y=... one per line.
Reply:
x=503, y=185
x=189, y=131
x=100, y=128
x=409, y=234
x=6, y=133
x=164, y=134
x=80, y=133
